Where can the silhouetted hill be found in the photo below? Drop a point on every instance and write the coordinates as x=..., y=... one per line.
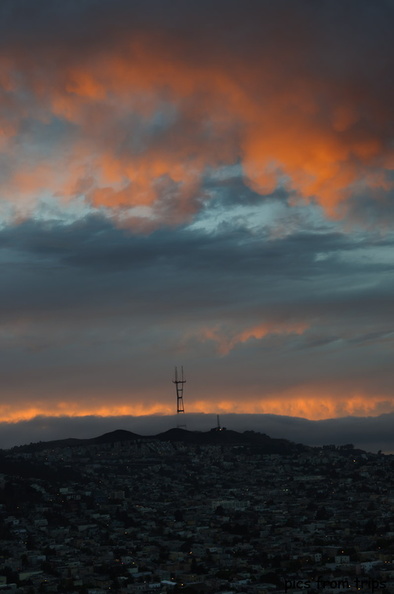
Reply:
x=111, y=437
x=117, y=435
x=231, y=438
x=225, y=438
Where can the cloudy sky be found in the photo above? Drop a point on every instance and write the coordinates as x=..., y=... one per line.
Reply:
x=207, y=184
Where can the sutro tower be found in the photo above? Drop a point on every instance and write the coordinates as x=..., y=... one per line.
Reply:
x=179, y=391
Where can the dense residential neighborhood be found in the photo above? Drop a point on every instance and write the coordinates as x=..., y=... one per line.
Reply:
x=195, y=512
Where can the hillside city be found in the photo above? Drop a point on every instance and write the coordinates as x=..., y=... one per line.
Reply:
x=214, y=512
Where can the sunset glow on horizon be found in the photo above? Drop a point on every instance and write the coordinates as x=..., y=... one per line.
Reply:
x=312, y=408
x=202, y=185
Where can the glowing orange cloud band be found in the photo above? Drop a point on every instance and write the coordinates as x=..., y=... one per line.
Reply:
x=298, y=403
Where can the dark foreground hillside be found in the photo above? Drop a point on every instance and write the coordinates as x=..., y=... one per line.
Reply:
x=198, y=512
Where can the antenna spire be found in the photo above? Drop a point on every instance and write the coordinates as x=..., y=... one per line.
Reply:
x=179, y=390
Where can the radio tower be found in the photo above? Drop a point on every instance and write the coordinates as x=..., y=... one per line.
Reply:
x=179, y=391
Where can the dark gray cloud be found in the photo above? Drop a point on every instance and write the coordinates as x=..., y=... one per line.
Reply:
x=234, y=268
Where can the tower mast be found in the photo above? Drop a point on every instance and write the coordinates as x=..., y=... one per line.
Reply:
x=179, y=391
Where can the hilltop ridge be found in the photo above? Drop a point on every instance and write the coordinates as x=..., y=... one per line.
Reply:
x=177, y=434
x=215, y=437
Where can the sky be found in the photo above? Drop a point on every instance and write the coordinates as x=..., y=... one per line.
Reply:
x=206, y=184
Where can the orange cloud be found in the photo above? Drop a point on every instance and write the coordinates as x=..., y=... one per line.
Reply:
x=297, y=402
x=310, y=406
x=13, y=414
x=210, y=110
x=227, y=340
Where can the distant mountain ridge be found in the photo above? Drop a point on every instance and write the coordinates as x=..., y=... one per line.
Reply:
x=178, y=435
